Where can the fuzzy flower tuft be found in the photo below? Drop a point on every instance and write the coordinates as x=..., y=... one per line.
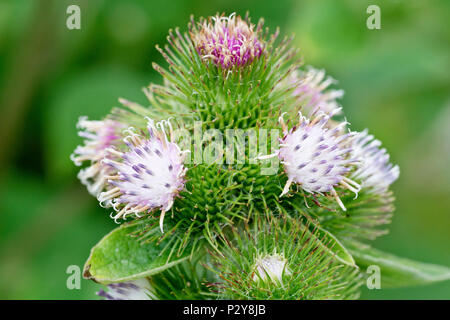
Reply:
x=227, y=41
x=99, y=135
x=375, y=171
x=272, y=267
x=312, y=91
x=316, y=157
x=133, y=290
x=149, y=177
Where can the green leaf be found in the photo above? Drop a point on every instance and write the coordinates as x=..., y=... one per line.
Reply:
x=120, y=257
x=335, y=246
x=395, y=271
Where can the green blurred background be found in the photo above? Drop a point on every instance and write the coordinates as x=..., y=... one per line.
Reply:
x=396, y=81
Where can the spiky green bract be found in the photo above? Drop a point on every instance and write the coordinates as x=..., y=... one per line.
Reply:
x=214, y=198
x=187, y=281
x=366, y=217
x=310, y=271
x=178, y=239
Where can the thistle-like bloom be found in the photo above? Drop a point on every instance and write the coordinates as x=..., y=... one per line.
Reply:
x=227, y=41
x=280, y=259
x=375, y=171
x=272, y=266
x=316, y=157
x=150, y=175
x=312, y=91
x=99, y=135
x=133, y=290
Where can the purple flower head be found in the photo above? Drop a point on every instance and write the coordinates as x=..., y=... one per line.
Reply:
x=99, y=135
x=316, y=157
x=375, y=171
x=149, y=176
x=227, y=41
x=312, y=91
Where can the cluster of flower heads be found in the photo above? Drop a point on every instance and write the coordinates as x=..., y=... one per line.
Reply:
x=144, y=173
x=227, y=41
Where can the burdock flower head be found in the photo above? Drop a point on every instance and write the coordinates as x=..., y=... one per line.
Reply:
x=316, y=157
x=375, y=171
x=312, y=91
x=150, y=175
x=99, y=135
x=227, y=41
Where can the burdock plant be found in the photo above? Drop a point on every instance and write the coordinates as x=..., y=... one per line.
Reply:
x=240, y=179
